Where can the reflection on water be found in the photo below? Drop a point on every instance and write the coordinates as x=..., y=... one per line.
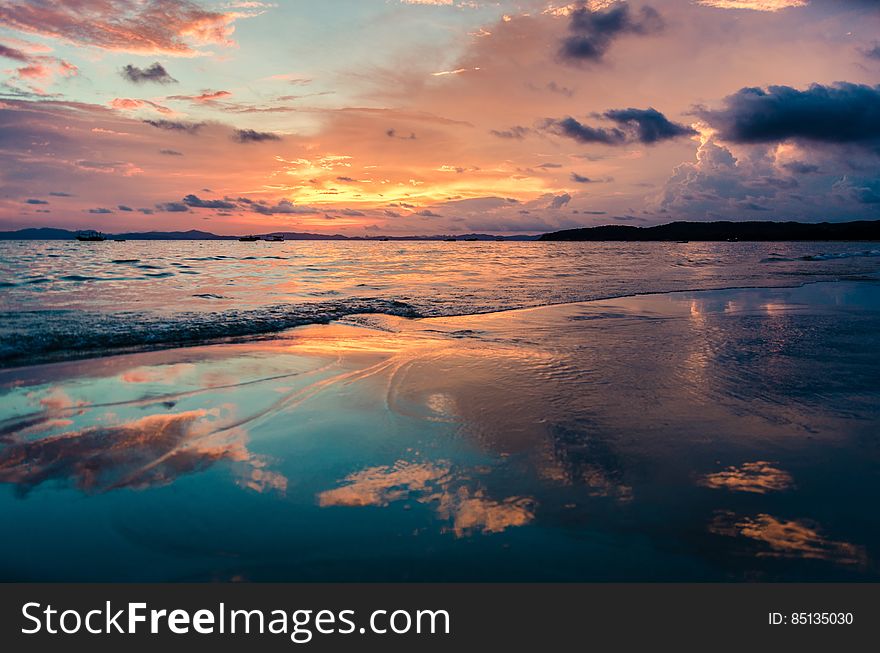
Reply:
x=590, y=441
x=759, y=477
x=149, y=451
x=788, y=539
x=469, y=511
x=379, y=486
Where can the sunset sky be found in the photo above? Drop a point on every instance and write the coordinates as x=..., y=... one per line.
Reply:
x=371, y=117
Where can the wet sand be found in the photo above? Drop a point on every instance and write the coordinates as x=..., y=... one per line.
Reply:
x=714, y=435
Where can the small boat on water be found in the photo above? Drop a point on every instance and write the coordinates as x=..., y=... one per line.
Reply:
x=90, y=235
x=249, y=239
x=274, y=238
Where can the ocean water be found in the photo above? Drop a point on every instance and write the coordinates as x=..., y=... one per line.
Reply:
x=61, y=299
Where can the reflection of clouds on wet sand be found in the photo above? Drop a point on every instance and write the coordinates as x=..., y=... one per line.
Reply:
x=759, y=477
x=379, y=486
x=145, y=452
x=469, y=511
x=472, y=512
x=787, y=539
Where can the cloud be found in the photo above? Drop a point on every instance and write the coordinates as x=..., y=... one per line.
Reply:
x=571, y=128
x=100, y=211
x=579, y=179
x=170, y=152
x=861, y=191
x=593, y=32
x=129, y=104
x=840, y=113
x=649, y=124
x=171, y=27
x=206, y=97
x=253, y=136
x=755, y=5
x=125, y=168
x=800, y=167
x=172, y=125
x=516, y=132
x=284, y=206
x=173, y=207
x=730, y=181
x=559, y=201
x=392, y=133
x=13, y=53
x=60, y=194
x=38, y=69
x=123, y=207
x=154, y=73
x=35, y=201
x=198, y=203
x=873, y=53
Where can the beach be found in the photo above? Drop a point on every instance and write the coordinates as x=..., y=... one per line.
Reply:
x=708, y=435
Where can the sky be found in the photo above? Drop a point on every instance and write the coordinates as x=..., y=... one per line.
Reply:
x=373, y=117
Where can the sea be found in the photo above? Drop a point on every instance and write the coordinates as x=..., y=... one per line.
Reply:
x=62, y=299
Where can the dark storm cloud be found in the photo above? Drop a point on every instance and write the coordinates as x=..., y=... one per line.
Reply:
x=35, y=201
x=571, y=128
x=647, y=126
x=650, y=125
x=173, y=125
x=516, y=132
x=593, y=32
x=841, y=113
x=155, y=73
x=198, y=203
x=800, y=167
x=253, y=136
x=12, y=53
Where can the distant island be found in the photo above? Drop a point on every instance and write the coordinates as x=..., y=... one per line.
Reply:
x=48, y=233
x=754, y=230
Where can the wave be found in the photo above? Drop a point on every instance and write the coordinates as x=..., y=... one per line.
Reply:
x=29, y=337
x=774, y=258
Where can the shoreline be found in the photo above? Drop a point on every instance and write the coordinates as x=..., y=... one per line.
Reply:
x=52, y=358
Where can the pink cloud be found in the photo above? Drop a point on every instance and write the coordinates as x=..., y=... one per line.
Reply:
x=129, y=104
x=171, y=27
